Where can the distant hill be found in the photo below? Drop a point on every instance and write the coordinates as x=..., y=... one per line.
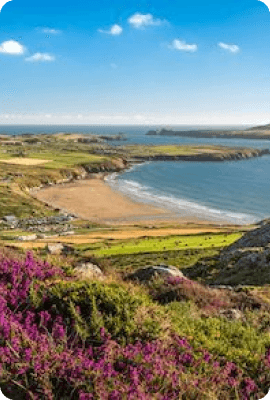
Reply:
x=260, y=128
x=256, y=132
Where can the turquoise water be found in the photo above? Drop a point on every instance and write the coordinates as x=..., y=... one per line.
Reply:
x=233, y=191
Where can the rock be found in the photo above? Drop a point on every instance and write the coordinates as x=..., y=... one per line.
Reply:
x=148, y=273
x=10, y=219
x=223, y=287
x=250, y=260
x=232, y=314
x=88, y=271
x=41, y=236
x=67, y=233
x=28, y=238
x=55, y=248
x=59, y=248
x=247, y=261
x=259, y=237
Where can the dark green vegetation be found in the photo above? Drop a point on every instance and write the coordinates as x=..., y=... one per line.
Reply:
x=130, y=262
x=113, y=306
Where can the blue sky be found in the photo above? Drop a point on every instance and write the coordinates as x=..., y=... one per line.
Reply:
x=148, y=62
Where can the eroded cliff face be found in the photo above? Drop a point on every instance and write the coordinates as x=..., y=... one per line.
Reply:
x=81, y=172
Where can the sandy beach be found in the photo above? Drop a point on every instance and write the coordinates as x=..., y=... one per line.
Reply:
x=94, y=200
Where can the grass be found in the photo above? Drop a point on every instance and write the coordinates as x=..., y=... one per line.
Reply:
x=20, y=205
x=234, y=340
x=178, y=150
x=154, y=245
x=60, y=159
x=177, y=258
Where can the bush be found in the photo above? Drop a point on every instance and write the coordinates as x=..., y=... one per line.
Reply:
x=39, y=360
x=234, y=340
x=89, y=306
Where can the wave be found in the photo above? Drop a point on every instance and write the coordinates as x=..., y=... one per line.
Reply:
x=182, y=207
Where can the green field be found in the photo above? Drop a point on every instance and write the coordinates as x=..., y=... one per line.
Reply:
x=180, y=150
x=60, y=160
x=154, y=245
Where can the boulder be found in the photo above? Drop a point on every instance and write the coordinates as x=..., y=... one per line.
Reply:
x=67, y=233
x=87, y=270
x=148, y=273
x=10, y=219
x=232, y=314
x=55, y=248
x=28, y=238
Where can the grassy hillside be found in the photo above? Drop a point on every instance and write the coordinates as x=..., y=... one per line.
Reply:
x=91, y=339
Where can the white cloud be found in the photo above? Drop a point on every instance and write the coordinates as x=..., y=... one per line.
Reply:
x=115, y=30
x=40, y=57
x=51, y=31
x=233, y=48
x=139, y=20
x=181, y=45
x=12, y=47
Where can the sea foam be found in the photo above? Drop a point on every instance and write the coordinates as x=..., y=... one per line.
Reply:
x=182, y=207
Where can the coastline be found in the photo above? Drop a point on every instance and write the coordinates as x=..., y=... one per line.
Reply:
x=95, y=200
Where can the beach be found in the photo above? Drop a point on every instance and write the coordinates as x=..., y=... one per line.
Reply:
x=96, y=201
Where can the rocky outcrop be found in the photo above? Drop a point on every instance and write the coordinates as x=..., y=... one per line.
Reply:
x=28, y=238
x=87, y=270
x=231, y=314
x=148, y=273
x=247, y=261
x=59, y=248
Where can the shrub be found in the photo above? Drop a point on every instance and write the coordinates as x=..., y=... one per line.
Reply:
x=183, y=289
x=234, y=340
x=89, y=306
x=39, y=360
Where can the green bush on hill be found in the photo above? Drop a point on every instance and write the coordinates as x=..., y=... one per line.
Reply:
x=89, y=306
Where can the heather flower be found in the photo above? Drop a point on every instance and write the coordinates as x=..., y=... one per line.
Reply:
x=35, y=348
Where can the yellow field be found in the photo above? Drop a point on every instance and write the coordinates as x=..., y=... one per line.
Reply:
x=96, y=237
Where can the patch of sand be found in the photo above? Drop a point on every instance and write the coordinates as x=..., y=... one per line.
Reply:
x=24, y=161
x=95, y=201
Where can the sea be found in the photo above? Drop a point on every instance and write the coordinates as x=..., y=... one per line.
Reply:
x=236, y=192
